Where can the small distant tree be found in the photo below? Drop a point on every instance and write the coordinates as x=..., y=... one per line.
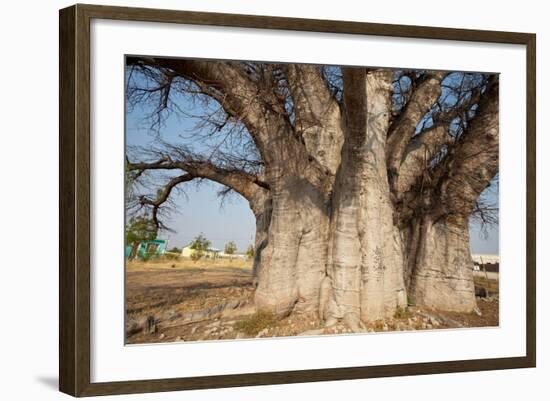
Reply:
x=139, y=229
x=250, y=251
x=199, y=245
x=175, y=250
x=230, y=248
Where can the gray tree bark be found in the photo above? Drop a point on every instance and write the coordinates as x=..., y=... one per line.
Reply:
x=441, y=268
x=366, y=265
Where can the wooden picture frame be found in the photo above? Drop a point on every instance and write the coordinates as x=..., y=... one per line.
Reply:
x=75, y=207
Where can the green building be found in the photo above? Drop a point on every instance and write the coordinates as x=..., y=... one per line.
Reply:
x=153, y=248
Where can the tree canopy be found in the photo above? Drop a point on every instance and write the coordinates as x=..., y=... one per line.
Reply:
x=230, y=248
x=140, y=229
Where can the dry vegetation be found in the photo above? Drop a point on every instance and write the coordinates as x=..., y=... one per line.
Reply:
x=182, y=300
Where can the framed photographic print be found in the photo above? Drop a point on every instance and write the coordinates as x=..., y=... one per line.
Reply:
x=250, y=200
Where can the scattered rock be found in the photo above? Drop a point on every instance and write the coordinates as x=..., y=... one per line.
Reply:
x=162, y=336
x=215, y=323
x=210, y=331
x=450, y=322
x=262, y=333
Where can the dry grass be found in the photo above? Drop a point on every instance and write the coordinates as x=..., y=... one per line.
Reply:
x=187, y=263
x=490, y=285
x=252, y=325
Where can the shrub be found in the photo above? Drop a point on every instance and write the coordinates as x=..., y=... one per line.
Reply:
x=199, y=245
x=250, y=251
x=196, y=255
x=147, y=256
x=230, y=248
x=402, y=313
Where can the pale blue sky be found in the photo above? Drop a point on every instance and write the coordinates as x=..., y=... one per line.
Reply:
x=199, y=210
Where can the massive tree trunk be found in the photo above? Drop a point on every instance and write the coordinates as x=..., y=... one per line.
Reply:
x=294, y=260
x=366, y=265
x=440, y=268
x=300, y=175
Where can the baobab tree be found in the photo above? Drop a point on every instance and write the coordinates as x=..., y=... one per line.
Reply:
x=362, y=180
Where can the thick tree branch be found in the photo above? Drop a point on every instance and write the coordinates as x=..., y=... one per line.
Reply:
x=474, y=163
x=317, y=114
x=403, y=128
x=244, y=183
x=417, y=156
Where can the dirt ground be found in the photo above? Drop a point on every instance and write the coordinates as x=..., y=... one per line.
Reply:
x=169, y=301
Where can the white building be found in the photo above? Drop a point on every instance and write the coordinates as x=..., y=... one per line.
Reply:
x=213, y=253
x=482, y=259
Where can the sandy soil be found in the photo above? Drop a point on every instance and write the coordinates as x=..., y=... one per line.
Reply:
x=211, y=300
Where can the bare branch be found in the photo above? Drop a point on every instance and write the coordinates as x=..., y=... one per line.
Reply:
x=244, y=183
x=162, y=196
x=232, y=85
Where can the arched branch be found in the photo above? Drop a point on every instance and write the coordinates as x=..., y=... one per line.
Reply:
x=418, y=155
x=317, y=114
x=244, y=183
x=475, y=160
x=425, y=94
